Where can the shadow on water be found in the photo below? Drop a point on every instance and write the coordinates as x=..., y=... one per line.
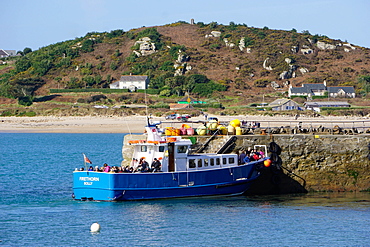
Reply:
x=273, y=181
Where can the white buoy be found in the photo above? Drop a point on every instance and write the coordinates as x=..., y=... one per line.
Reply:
x=95, y=227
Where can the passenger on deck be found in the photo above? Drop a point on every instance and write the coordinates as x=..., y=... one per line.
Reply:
x=156, y=165
x=247, y=159
x=113, y=169
x=143, y=166
x=106, y=168
x=91, y=168
x=256, y=156
x=134, y=164
x=241, y=158
x=96, y=169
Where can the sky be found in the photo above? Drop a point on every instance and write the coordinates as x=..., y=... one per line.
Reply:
x=39, y=23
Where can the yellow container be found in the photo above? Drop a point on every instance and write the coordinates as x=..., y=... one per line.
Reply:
x=235, y=123
x=238, y=131
x=223, y=130
x=168, y=131
x=202, y=131
x=212, y=125
x=185, y=126
x=176, y=132
x=230, y=130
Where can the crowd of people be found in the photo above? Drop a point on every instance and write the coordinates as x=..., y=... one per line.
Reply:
x=250, y=155
x=136, y=166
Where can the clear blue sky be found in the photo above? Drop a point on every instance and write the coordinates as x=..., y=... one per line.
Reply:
x=38, y=23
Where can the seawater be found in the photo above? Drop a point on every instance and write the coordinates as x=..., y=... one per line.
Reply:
x=36, y=208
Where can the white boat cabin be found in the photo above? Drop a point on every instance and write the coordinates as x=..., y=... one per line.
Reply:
x=173, y=153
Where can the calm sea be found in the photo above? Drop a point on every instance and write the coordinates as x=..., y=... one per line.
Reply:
x=36, y=208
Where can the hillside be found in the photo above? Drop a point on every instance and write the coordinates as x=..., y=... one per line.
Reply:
x=247, y=62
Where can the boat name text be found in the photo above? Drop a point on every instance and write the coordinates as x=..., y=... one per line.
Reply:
x=89, y=179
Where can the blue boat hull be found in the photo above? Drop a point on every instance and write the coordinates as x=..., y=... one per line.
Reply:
x=100, y=186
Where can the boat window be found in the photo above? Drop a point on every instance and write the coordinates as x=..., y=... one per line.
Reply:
x=212, y=162
x=144, y=148
x=182, y=149
x=199, y=163
x=191, y=163
x=218, y=161
x=205, y=162
x=224, y=161
x=161, y=149
x=231, y=160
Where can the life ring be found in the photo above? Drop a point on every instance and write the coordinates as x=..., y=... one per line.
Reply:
x=154, y=142
x=133, y=141
x=171, y=139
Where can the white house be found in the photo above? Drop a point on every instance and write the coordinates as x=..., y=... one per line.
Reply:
x=131, y=82
x=316, y=89
x=7, y=53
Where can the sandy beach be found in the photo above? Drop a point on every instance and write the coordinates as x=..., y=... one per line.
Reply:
x=135, y=124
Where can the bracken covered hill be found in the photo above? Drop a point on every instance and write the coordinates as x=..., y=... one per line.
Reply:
x=244, y=60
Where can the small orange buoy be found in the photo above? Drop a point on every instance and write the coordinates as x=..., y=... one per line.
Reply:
x=267, y=163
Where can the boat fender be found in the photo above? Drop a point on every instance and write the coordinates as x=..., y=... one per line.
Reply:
x=267, y=163
x=95, y=227
x=166, y=153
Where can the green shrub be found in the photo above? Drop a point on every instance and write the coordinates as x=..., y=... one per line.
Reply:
x=25, y=100
x=30, y=114
x=160, y=105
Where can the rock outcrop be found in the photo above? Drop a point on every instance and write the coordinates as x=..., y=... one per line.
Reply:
x=146, y=47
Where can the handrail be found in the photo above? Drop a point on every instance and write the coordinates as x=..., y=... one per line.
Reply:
x=226, y=145
x=207, y=142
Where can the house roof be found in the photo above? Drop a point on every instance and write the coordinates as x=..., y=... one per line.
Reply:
x=180, y=106
x=114, y=83
x=3, y=53
x=345, y=89
x=279, y=102
x=133, y=78
x=308, y=88
x=298, y=90
x=314, y=86
x=326, y=104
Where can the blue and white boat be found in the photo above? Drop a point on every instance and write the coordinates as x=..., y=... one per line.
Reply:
x=182, y=173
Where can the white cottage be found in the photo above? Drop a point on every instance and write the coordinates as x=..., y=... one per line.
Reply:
x=131, y=82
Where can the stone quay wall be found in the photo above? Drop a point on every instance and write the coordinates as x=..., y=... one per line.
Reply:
x=318, y=162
